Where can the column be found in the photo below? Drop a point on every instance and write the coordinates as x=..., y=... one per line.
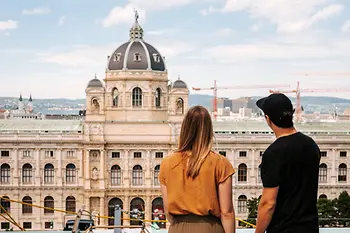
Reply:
x=148, y=208
x=37, y=168
x=125, y=170
x=333, y=178
x=253, y=174
x=102, y=169
x=87, y=169
x=126, y=207
x=147, y=169
x=102, y=210
x=59, y=169
x=234, y=178
x=15, y=174
x=81, y=167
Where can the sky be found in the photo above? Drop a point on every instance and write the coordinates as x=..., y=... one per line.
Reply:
x=52, y=49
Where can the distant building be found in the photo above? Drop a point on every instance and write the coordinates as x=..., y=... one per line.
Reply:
x=239, y=103
x=245, y=112
x=23, y=112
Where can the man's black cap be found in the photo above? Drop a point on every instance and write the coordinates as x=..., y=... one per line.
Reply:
x=279, y=108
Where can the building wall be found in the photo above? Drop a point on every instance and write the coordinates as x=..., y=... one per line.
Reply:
x=93, y=188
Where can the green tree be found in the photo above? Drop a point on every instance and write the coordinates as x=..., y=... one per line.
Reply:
x=252, y=205
x=327, y=212
x=343, y=208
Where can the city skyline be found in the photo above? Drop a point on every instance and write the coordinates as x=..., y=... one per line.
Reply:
x=52, y=49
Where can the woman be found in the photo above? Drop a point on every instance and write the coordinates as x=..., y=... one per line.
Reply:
x=196, y=183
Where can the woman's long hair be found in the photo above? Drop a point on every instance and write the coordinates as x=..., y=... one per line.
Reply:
x=196, y=138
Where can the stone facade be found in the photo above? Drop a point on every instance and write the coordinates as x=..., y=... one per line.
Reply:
x=112, y=157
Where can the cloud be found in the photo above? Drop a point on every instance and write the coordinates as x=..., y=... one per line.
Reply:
x=288, y=16
x=346, y=26
x=8, y=25
x=36, y=11
x=167, y=31
x=224, y=32
x=296, y=49
x=160, y=5
x=62, y=20
x=121, y=15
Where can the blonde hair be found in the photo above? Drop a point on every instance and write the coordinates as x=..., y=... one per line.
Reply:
x=196, y=138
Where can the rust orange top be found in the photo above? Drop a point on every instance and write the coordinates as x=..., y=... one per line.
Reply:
x=194, y=196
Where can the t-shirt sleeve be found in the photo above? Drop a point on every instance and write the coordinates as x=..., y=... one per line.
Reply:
x=164, y=168
x=270, y=170
x=224, y=170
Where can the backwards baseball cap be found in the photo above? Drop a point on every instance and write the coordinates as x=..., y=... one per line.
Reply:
x=279, y=108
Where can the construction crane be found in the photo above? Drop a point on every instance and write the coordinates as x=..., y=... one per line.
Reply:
x=298, y=91
x=215, y=89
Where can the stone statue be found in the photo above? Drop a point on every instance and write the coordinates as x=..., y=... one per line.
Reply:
x=179, y=106
x=136, y=15
x=94, y=173
x=95, y=105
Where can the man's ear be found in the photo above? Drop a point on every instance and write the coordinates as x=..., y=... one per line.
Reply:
x=268, y=120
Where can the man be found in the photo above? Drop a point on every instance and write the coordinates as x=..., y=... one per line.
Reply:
x=289, y=173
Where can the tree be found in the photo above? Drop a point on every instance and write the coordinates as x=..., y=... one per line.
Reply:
x=252, y=205
x=343, y=209
x=326, y=212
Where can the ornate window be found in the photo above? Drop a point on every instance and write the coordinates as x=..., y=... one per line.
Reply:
x=27, y=209
x=137, y=175
x=158, y=97
x=116, y=175
x=158, y=211
x=156, y=57
x=27, y=173
x=70, y=204
x=111, y=205
x=70, y=173
x=6, y=204
x=322, y=173
x=242, y=173
x=156, y=174
x=5, y=173
x=115, y=95
x=49, y=173
x=137, y=57
x=342, y=172
x=179, y=106
x=49, y=203
x=139, y=204
x=137, y=97
x=117, y=57
x=242, y=204
x=322, y=196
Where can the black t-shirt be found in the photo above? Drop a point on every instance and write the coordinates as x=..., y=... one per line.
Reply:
x=292, y=163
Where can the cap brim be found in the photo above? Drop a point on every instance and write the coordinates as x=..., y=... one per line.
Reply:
x=260, y=103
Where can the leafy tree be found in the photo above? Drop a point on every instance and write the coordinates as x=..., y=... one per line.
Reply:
x=343, y=208
x=326, y=212
x=252, y=205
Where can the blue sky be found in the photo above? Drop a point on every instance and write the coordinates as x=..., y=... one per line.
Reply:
x=53, y=48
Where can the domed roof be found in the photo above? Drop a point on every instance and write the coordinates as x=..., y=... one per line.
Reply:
x=179, y=84
x=95, y=83
x=136, y=54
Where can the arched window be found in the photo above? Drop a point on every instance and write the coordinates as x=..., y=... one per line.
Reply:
x=158, y=211
x=49, y=203
x=180, y=106
x=49, y=173
x=115, y=95
x=242, y=173
x=111, y=205
x=322, y=196
x=342, y=172
x=27, y=173
x=70, y=204
x=137, y=175
x=70, y=173
x=95, y=105
x=6, y=204
x=242, y=204
x=27, y=209
x=5, y=173
x=137, y=97
x=158, y=96
x=322, y=173
x=137, y=204
x=116, y=175
x=156, y=174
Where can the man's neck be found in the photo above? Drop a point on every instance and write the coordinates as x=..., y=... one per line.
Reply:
x=284, y=132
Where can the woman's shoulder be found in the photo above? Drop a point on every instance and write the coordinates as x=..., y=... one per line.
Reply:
x=175, y=156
